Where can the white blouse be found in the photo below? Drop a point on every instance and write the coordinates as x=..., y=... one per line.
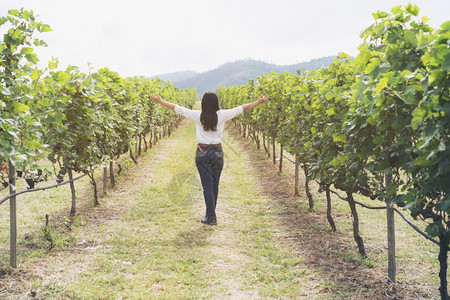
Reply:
x=209, y=137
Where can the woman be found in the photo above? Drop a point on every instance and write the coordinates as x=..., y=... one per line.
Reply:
x=209, y=156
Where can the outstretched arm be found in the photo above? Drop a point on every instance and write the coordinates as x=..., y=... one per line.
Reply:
x=261, y=99
x=157, y=98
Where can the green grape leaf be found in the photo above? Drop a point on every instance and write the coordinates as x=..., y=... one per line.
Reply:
x=330, y=111
x=44, y=28
x=445, y=25
x=21, y=108
x=412, y=9
x=425, y=40
x=35, y=75
x=446, y=62
x=435, y=75
x=379, y=140
x=433, y=229
x=32, y=58
x=382, y=84
x=408, y=96
x=422, y=161
x=397, y=10
x=14, y=12
x=410, y=38
x=6, y=91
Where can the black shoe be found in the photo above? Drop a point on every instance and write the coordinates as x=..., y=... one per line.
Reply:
x=212, y=222
x=209, y=222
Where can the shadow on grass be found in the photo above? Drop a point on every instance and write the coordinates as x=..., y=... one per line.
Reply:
x=191, y=238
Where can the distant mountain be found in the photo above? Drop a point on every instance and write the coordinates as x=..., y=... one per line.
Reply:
x=236, y=73
x=176, y=76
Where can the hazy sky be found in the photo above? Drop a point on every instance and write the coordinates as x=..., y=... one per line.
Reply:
x=148, y=37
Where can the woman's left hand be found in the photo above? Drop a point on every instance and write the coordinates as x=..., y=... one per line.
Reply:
x=155, y=97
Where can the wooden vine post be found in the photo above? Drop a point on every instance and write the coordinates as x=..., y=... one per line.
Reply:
x=390, y=233
x=274, y=137
x=307, y=191
x=136, y=146
x=72, y=190
x=281, y=159
x=12, y=212
x=111, y=172
x=296, y=175
x=105, y=179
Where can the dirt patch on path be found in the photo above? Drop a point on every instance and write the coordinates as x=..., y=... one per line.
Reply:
x=229, y=259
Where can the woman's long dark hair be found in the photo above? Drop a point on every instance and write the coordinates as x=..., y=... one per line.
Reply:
x=208, y=117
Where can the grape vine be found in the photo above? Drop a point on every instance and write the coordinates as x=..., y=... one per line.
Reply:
x=77, y=120
x=377, y=125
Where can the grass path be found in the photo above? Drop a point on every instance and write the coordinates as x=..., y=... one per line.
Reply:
x=146, y=240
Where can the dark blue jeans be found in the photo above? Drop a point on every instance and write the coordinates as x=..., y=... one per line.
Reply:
x=209, y=161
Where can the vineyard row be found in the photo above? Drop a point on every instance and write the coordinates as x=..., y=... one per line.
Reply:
x=77, y=121
x=376, y=125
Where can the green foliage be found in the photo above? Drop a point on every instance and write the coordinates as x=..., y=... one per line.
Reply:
x=19, y=121
x=78, y=120
x=384, y=113
x=94, y=118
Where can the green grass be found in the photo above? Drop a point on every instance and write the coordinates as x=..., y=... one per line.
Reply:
x=149, y=243
x=416, y=257
x=146, y=241
x=158, y=249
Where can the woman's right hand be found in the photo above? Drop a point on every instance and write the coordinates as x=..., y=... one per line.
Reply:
x=262, y=99
x=157, y=98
